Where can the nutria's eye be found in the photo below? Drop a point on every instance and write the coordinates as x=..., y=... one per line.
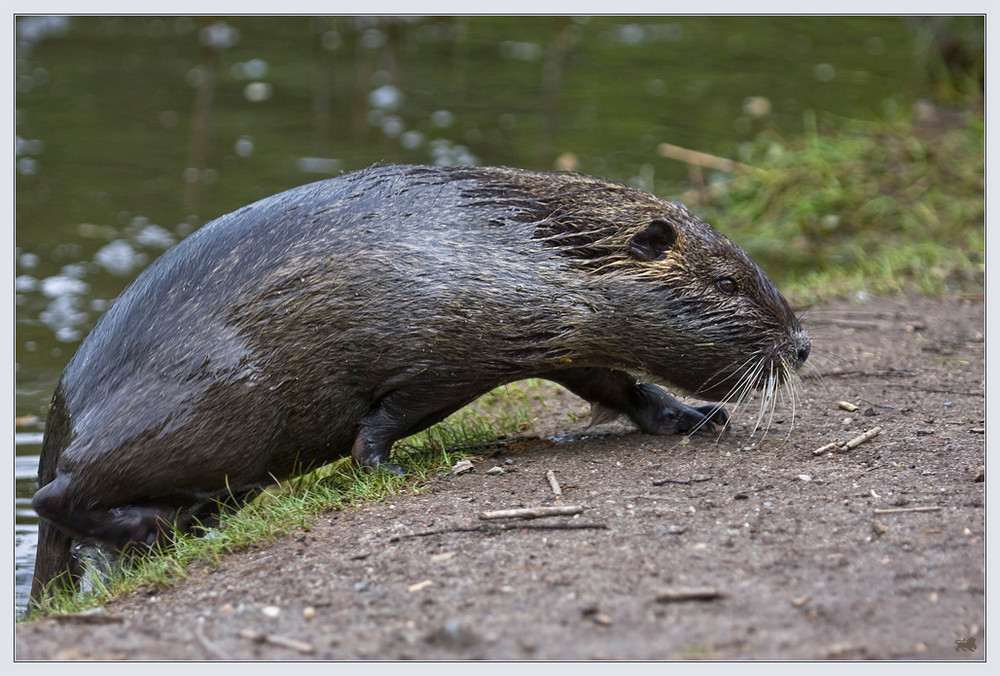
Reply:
x=727, y=286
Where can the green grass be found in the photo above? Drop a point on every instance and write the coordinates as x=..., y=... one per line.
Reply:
x=849, y=206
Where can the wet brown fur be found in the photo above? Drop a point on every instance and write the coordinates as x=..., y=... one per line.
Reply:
x=337, y=317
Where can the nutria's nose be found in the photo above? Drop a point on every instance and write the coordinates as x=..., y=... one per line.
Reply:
x=802, y=345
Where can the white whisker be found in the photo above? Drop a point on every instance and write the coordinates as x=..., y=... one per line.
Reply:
x=773, y=380
x=744, y=382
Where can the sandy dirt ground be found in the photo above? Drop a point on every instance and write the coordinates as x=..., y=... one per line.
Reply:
x=734, y=548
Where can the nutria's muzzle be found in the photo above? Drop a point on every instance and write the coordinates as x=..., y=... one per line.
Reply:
x=801, y=344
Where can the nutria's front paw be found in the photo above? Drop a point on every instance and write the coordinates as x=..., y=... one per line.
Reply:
x=656, y=412
x=706, y=417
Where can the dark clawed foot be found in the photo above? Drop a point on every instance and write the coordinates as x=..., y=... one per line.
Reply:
x=713, y=416
x=655, y=411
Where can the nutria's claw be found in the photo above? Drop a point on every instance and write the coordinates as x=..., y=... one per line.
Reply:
x=711, y=415
x=655, y=411
x=689, y=419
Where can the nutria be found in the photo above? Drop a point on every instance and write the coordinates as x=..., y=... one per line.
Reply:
x=340, y=316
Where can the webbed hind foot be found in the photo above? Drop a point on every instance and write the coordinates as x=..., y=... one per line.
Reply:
x=117, y=527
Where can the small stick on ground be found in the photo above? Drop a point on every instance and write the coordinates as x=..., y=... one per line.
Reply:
x=692, y=480
x=92, y=616
x=556, y=488
x=261, y=637
x=853, y=443
x=531, y=512
x=901, y=510
x=556, y=526
x=832, y=446
x=688, y=594
x=500, y=527
x=862, y=438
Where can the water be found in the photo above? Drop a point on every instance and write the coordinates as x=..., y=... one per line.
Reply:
x=132, y=132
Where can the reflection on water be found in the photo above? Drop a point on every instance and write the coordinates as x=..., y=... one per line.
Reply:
x=132, y=132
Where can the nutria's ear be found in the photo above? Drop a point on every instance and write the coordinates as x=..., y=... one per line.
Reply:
x=654, y=241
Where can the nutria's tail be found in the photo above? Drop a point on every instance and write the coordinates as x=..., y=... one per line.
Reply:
x=55, y=565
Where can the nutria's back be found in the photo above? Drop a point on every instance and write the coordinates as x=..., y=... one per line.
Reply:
x=336, y=317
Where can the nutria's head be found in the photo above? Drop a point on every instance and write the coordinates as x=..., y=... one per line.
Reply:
x=683, y=302
x=737, y=331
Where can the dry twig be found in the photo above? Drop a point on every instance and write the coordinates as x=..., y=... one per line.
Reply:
x=531, y=512
x=901, y=510
x=500, y=527
x=832, y=446
x=692, y=480
x=853, y=443
x=700, y=159
x=556, y=488
x=91, y=616
x=861, y=438
x=283, y=641
x=677, y=594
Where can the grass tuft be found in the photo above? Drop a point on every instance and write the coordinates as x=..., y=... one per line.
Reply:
x=876, y=206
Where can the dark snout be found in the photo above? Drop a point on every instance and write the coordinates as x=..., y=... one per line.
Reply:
x=801, y=345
